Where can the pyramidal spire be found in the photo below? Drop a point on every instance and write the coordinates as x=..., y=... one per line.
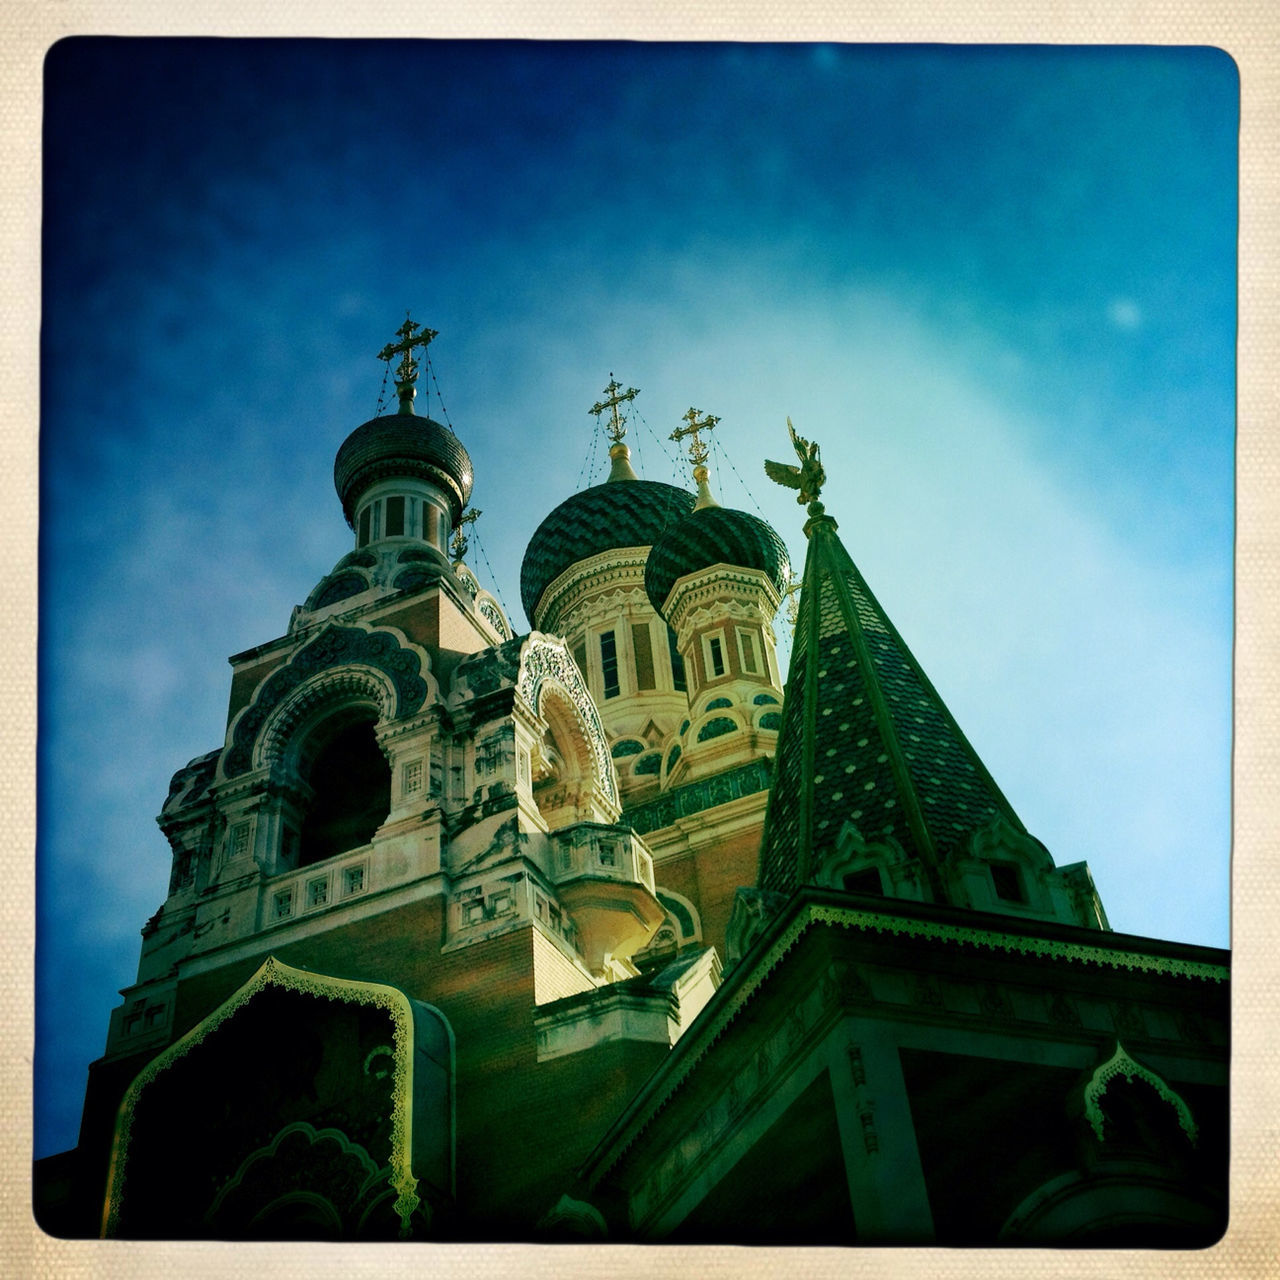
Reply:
x=867, y=748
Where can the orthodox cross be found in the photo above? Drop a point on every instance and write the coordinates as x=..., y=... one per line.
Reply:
x=459, y=544
x=411, y=335
x=697, y=421
x=613, y=397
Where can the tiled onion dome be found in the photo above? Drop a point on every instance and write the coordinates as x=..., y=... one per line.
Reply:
x=402, y=445
x=714, y=535
x=628, y=513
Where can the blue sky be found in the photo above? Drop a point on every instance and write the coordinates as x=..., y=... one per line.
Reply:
x=996, y=284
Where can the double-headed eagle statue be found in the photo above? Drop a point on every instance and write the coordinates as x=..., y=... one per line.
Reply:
x=808, y=477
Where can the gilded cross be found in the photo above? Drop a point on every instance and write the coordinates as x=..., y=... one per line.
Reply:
x=697, y=446
x=613, y=397
x=411, y=335
x=459, y=544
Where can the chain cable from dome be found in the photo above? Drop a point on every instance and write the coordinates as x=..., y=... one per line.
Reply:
x=721, y=452
x=493, y=577
x=382, y=390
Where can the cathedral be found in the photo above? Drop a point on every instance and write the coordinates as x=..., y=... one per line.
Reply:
x=612, y=930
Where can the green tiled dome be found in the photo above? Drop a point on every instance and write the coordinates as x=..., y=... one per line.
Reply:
x=714, y=535
x=402, y=444
x=622, y=513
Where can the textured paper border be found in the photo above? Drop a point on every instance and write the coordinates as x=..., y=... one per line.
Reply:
x=1244, y=28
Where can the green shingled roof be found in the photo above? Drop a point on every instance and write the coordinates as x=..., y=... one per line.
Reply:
x=714, y=535
x=865, y=738
x=618, y=513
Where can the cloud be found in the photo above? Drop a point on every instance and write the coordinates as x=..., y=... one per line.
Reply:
x=1125, y=314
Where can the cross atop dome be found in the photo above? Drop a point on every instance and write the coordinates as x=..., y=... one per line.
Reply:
x=698, y=422
x=613, y=397
x=411, y=335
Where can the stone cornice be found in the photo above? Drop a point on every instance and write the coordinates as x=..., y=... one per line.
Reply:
x=808, y=910
x=587, y=577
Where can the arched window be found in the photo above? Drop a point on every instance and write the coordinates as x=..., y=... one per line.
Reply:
x=351, y=782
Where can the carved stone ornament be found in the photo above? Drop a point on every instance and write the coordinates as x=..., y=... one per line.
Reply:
x=1121, y=1064
x=544, y=658
x=333, y=647
x=1000, y=841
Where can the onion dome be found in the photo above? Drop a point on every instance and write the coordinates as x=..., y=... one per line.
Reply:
x=709, y=536
x=402, y=445
x=621, y=512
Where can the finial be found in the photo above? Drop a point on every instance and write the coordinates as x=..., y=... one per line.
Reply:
x=698, y=452
x=613, y=397
x=411, y=335
x=808, y=477
x=619, y=453
x=459, y=544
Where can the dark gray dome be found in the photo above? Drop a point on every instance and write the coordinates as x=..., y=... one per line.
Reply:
x=402, y=444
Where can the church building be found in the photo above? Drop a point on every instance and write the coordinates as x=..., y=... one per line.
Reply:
x=613, y=931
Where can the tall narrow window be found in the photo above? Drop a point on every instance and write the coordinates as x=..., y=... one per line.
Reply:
x=643, y=647
x=580, y=657
x=716, y=650
x=377, y=521
x=677, y=663
x=747, y=652
x=364, y=525
x=609, y=664
x=395, y=517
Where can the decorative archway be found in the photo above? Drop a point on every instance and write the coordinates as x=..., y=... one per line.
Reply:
x=553, y=688
x=374, y=663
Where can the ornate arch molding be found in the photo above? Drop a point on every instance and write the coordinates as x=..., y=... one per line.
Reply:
x=376, y=664
x=420, y=1044
x=854, y=852
x=546, y=668
x=345, y=687
x=1121, y=1064
x=1000, y=841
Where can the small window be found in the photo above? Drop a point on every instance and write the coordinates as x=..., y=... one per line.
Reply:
x=365, y=517
x=747, y=652
x=608, y=855
x=282, y=905
x=411, y=778
x=240, y=840
x=1007, y=880
x=395, y=517
x=155, y=1015
x=609, y=664
x=715, y=653
x=677, y=664
x=502, y=904
x=352, y=880
x=475, y=912
x=317, y=893
x=865, y=881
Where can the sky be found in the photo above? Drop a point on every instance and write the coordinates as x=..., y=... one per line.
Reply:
x=997, y=285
